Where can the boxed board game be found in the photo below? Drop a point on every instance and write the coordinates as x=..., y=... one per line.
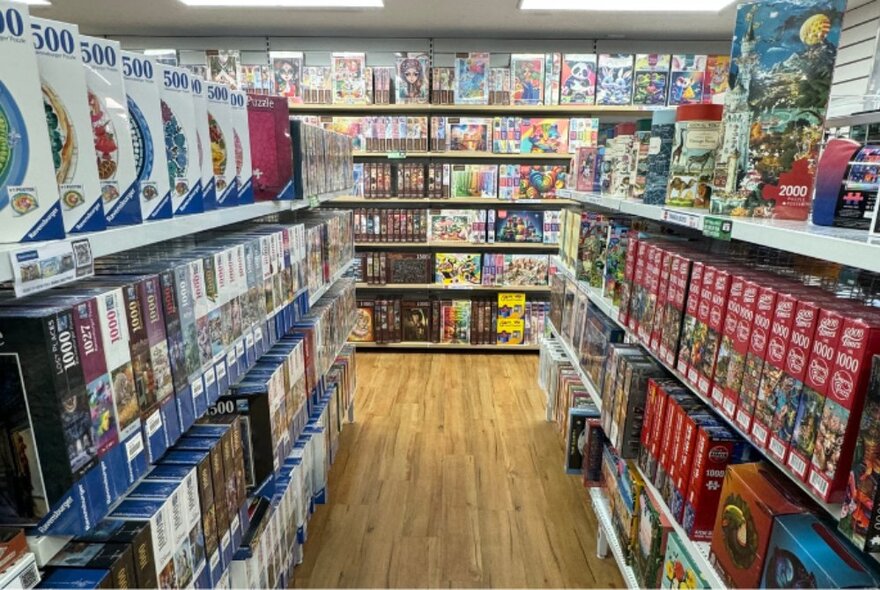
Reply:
x=287, y=71
x=348, y=79
x=473, y=180
x=457, y=225
x=578, y=85
x=650, y=541
x=471, y=78
x=363, y=330
x=861, y=504
x=271, y=148
x=515, y=226
x=203, y=143
x=659, y=156
x=455, y=321
x=499, y=86
x=29, y=205
x=686, y=87
x=411, y=83
x=752, y=498
x=679, y=568
x=651, y=79
x=540, y=181
x=147, y=134
x=133, y=535
x=241, y=147
x=457, y=269
x=468, y=134
x=734, y=344
x=614, y=80
x=514, y=270
x=65, y=99
x=544, y=136
x=415, y=321
x=582, y=132
x=527, y=78
x=117, y=560
x=716, y=80
x=181, y=140
x=576, y=438
x=691, y=170
x=221, y=134
x=805, y=553
x=223, y=66
x=585, y=170
x=837, y=430
x=111, y=130
x=776, y=45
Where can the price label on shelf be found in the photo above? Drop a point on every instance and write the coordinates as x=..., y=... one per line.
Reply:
x=683, y=218
x=42, y=267
x=396, y=155
x=718, y=228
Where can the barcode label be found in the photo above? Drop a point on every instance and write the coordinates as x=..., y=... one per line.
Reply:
x=134, y=447
x=728, y=406
x=258, y=333
x=215, y=560
x=777, y=449
x=743, y=419
x=161, y=532
x=692, y=375
x=225, y=541
x=759, y=432
x=717, y=396
x=210, y=377
x=230, y=357
x=682, y=367
x=239, y=348
x=798, y=465
x=249, y=340
x=154, y=423
x=221, y=371
x=818, y=483
x=703, y=385
x=197, y=388
x=29, y=577
x=236, y=523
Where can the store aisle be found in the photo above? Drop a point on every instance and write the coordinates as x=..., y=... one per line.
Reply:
x=451, y=477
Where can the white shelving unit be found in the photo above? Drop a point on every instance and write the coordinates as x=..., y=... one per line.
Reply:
x=849, y=247
x=576, y=363
x=609, y=309
x=314, y=297
x=608, y=538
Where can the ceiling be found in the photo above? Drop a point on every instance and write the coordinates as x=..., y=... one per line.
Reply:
x=399, y=18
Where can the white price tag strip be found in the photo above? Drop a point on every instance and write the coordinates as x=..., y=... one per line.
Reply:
x=691, y=220
x=42, y=267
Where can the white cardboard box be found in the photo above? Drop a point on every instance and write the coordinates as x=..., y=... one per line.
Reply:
x=222, y=144
x=63, y=79
x=181, y=140
x=29, y=207
x=111, y=129
x=242, y=147
x=148, y=135
x=200, y=103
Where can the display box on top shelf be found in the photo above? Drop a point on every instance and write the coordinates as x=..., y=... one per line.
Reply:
x=65, y=97
x=181, y=140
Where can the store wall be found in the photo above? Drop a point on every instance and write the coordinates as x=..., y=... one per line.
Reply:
x=857, y=59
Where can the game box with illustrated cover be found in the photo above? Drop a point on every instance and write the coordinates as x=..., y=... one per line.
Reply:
x=515, y=226
x=651, y=79
x=457, y=269
x=578, y=84
x=527, y=78
x=457, y=225
x=181, y=140
x=471, y=78
x=688, y=70
x=614, y=80
x=545, y=136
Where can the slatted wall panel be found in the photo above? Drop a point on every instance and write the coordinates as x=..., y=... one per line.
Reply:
x=856, y=58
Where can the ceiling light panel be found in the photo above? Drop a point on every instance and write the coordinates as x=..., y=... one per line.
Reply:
x=286, y=3
x=626, y=5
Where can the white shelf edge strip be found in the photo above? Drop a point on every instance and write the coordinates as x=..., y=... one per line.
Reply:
x=849, y=247
x=603, y=515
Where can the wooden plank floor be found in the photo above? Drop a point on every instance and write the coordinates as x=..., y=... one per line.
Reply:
x=451, y=477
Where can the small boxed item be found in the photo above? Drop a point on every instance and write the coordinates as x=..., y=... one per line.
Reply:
x=271, y=148
x=221, y=134
x=752, y=498
x=142, y=88
x=116, y=559
x=679, y=568
x=181, y=140
x=203, y=134
x=65, y=99
x=29, y=206
x=111, y=130
x=241, y=147
x=649, y=544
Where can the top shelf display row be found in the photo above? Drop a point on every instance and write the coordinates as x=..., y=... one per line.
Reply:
x=619, y=83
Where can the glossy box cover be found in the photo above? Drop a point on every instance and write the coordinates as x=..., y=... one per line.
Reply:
x=65, y=98
x=142, y=86
x=271, y=148
x=181, y=140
